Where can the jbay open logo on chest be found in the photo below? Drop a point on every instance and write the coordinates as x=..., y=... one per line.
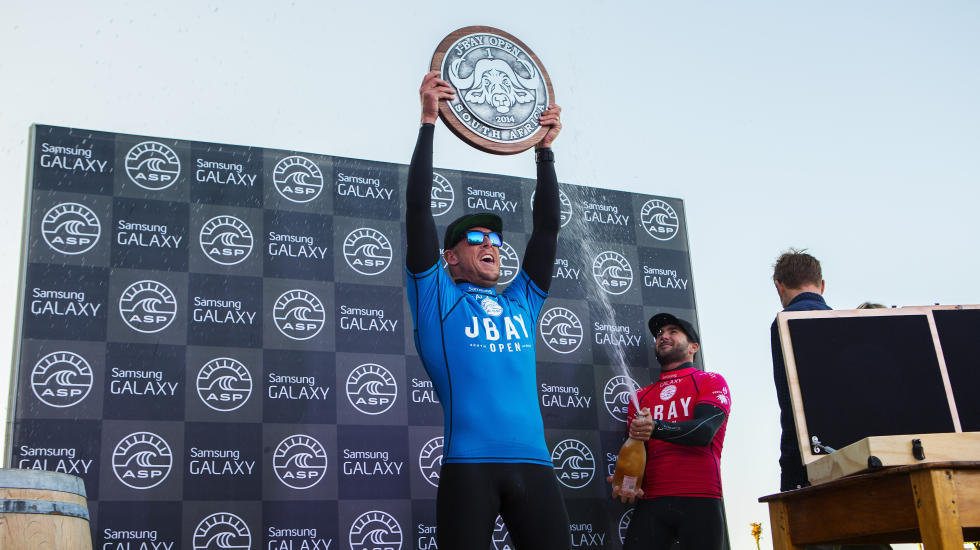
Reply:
x=498, y=332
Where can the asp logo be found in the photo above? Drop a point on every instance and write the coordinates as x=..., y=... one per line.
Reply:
x=561, y=330
x=226, y=240
x=298, y=179
x=443, y=195
x=152, y=165
x=147, y=306
x=367, y=251
x=224, y=384
x=574, y=463
x=222, y=531
x=564, y=205
x=510, y=264
x=430, y=460
x=659, y=219
x=61, y=379
x=142, y=460
x=617, y=396
x=298, y=314
x=375, y=530
x=371, y=389
x=300, y=461
x=70, y=228
x=612, y=272
x=624, y=524
x=500, y=538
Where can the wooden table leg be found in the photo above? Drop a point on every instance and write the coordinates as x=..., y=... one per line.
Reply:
x=779, y=525
x=935, y=505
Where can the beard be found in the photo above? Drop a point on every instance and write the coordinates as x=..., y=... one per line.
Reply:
x=673, y=355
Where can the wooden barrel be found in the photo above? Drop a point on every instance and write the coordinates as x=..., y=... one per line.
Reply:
x=40, y=509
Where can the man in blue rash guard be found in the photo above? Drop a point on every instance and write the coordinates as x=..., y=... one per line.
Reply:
x=478, y=348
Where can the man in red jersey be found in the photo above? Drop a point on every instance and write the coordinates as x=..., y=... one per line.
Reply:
x=682, y=418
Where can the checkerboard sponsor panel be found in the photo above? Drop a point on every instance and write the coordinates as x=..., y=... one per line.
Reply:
x=216, y=338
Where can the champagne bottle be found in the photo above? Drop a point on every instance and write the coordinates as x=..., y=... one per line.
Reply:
x=630, y=464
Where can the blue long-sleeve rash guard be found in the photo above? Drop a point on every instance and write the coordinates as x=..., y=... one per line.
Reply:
x=478, y=346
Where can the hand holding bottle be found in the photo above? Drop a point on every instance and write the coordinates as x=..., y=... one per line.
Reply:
x=631, y=462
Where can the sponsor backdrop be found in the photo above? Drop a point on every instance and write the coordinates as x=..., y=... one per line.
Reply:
x=216, y=339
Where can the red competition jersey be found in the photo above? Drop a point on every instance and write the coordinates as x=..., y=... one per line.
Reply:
x=683, y=470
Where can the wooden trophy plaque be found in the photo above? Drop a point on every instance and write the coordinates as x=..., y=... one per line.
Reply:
x=882, y=387
x=501, y=89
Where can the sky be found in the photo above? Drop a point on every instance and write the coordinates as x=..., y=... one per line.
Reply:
x=847, y=128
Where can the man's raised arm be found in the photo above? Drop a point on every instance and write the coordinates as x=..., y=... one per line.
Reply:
x=420, y=228
x=539, y=256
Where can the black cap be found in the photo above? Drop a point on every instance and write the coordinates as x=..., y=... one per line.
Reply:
x=661, y=320
x=456, y=230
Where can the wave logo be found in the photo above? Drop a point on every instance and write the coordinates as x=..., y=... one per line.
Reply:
x=617, y=396
x=222, y=531
x=659, y=219
x=430, y=460
x=226, y=240
x=142, y=460
x=442, y=196
x=300, y=461
x=510, y=264
x=367, y=251
x=375, y=530
x=224, y=384
x=500, y=539
x=298, y=179
x=561, y=330
x=147, y=306
x=152, y=165
x=624, y=524
x=371, y=389
x=298, y=314
x=70, y=228
x=564, y=207
x=574, y=463
x=612, y=272
x=61, y=379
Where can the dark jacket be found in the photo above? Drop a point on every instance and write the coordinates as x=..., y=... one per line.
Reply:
x=792, y=471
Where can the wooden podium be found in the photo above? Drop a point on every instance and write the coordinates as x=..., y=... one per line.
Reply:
x=935, y=503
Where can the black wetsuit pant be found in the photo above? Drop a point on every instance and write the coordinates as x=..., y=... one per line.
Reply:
x=526, y=496
x=698, y=523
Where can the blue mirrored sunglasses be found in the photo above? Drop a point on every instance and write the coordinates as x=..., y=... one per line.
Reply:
x=475, y=237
